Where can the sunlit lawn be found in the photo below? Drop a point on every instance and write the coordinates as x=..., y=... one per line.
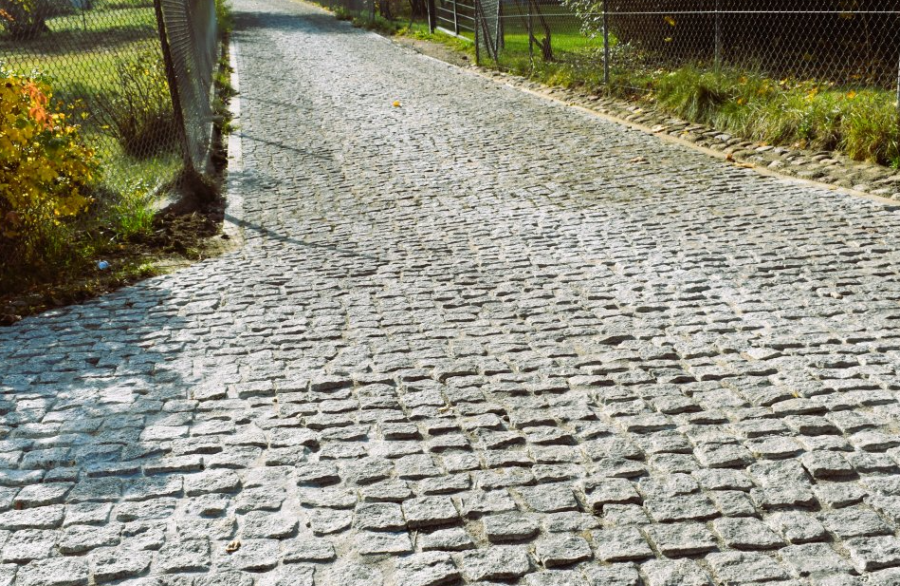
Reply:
x=80, y=54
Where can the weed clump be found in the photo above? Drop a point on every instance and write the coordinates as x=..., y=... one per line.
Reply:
x=138, y=113
x=862, y=123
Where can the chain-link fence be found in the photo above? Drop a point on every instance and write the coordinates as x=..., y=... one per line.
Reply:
x=191, y=40
x=845, y=43
x=109, y=64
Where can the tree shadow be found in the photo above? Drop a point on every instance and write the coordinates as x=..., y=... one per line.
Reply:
x=111, y=413
x=299, y=151
x=78, y=43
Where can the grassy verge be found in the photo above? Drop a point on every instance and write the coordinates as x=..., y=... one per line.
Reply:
x=405, y=27
x=862, y=123
x=419, y=31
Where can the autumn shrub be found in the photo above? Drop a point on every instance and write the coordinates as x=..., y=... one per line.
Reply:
x=47, y=173
x=138, y=113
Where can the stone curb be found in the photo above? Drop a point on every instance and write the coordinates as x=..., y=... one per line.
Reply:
x=233, y=193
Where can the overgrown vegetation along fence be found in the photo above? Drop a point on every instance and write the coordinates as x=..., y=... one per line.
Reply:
x=106, y=103
x=814, y=73
x=839, y=42
x=820, y=74
x=117, y=66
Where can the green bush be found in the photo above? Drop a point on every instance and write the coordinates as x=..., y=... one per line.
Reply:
x=139, y=112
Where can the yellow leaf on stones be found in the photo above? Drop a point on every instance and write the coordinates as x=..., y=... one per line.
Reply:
x=396, y=103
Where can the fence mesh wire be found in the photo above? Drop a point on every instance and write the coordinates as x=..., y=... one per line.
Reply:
x=192, y=37
x=846, y=43
x=488, y=30
x=104, y=62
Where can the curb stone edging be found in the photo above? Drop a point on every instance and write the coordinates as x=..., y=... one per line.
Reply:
x=233, y=193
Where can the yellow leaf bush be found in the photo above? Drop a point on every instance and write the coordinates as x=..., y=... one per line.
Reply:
x=47, y=173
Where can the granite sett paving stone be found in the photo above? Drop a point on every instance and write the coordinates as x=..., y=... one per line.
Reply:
x=480, y=338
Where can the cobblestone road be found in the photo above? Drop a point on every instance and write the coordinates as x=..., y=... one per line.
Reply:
x=480, y=338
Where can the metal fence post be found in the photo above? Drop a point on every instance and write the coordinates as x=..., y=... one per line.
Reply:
x=477, y=33
x=455, y=19
x=530, y=25
x=605, y=43
x=718, y=56
x=173, y=87
x=432, y=16
x=498, y=32
x=501, y=34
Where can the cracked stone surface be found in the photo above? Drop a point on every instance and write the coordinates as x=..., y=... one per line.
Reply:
x=479, y=338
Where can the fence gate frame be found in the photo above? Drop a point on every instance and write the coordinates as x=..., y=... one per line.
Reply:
x=453, y=17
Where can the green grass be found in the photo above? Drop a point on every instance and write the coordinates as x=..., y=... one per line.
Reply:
x=83, y=58
x=80, y=55
x=863, y=123
x=103, y=30
x=224, y=17
x=378, y=24
x=419, y=30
